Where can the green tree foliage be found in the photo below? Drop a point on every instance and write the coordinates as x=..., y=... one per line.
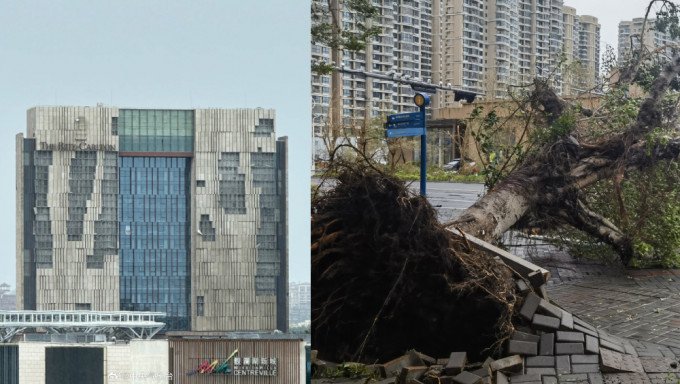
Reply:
x=329, y=32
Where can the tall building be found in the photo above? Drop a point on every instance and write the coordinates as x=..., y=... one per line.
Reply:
x=177, y=211
x=487, y=46
x=403, y=46
x=300, y=297
x=631, y=37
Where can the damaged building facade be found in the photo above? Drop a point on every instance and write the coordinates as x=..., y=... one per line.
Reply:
x=175, y=211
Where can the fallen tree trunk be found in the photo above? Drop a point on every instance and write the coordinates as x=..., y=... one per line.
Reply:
x=549, y=187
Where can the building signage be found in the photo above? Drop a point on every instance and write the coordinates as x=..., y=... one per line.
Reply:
x=238, y=366
x=76, y=147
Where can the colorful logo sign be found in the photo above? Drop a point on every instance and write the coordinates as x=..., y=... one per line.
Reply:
x=240, y=366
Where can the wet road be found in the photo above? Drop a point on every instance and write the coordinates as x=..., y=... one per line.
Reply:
x=450, y=199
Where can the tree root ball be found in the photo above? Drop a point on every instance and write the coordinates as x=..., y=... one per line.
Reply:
x=388, y=277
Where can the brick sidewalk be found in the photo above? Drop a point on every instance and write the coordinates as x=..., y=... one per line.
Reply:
x=642, y=305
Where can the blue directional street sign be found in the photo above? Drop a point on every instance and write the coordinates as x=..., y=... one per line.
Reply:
x=406, y=124
x=405, y=117
x=401, y=132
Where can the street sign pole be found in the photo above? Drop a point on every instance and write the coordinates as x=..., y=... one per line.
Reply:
x=423, y=156
x=413, y=124
x=422, y=100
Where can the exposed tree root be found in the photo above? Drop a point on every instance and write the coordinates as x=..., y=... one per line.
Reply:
x=388, y=277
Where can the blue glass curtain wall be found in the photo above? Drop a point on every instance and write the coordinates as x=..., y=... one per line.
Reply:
x=154, y=218
x=151, y=130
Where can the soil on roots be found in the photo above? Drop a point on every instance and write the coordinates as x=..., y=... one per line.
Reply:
x=388, y=277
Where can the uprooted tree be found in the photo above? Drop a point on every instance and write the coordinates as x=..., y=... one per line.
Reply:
x=388, y=276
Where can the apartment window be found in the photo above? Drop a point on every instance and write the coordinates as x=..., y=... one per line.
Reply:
x=83, y=306
x=200, y=306
x=200, y=183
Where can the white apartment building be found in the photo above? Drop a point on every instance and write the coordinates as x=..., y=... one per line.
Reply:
x=630, y=35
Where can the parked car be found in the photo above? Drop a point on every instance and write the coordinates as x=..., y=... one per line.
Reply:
x=455, y=164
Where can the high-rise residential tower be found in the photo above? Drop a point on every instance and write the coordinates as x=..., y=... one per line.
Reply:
x=177, y=211
x=631, y=37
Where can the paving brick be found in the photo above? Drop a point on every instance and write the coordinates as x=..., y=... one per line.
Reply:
x=541, y=371
x=525, y=378
x=580, y=378
x=626, y=378
x=524, y=336
x=508, y=364
x=427, y=360
x=585, y=330
x=543, y=292
x=549, y=379
x=572, y=337
x=566, y=321
x=585, y=368
x=536, y=279
x=614, y=362
x=408, y=374
x=530, y=306
x=540, y=361
x=659, y=365
x=592, y=344
x=522, y=287
x=585, y=359
x=522, y=348
x=630, y=350
x=569, y=348
x=546, y=345
x=482, y=372
x=393, y=367
x=467, y=378
x=612, y=345
x=596, y=378
x=500, y=378
x=563, y=364
x=546, y=308
x=545, y=323
x=456, y=363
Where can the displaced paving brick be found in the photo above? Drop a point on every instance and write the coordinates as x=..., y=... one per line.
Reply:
x=585, y=359
x=427, y=360
x=415, y=359
x=543, y=292
x=545, y=323
x=630, y=350
x=568, y=348
x=626, y=378
x=546, y=346
x=592, y=344
x=500, y=378
x=408, y=374
x=467, y=378
x=615, y=362
x=522, y=286
x=563, y=364
x=541, y=371
x=508, y=364
x=530, y=306
x=612, y=345
x=525, y=378
x=573, y=337
x=540, y=361
x=522, y=348
x=456, y=363
x=546, y=308
x=585, y=368
x=482, y=372
x=536, y=279
x=585, y=330
x=393, y=367
x=549, y=379
x=524, y=336
x=584, y=324
x=566, y=321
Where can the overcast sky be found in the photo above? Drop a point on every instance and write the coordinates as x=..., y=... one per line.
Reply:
x=609, y=13
x=158, y=54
